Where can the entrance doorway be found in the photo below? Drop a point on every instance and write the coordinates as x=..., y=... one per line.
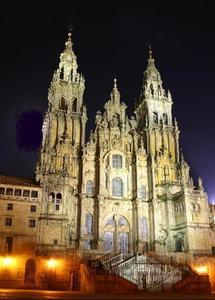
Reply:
x=30, y=272
x=116, y=234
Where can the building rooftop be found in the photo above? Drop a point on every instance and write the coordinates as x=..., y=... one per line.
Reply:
x=11, y=180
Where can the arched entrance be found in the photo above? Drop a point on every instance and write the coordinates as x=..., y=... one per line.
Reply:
x=116, y=234
x=30, y=271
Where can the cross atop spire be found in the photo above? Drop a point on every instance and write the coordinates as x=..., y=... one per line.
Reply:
x=69, y=27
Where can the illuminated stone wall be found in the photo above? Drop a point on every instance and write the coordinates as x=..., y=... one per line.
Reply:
x=20, y=208
x=127, y=189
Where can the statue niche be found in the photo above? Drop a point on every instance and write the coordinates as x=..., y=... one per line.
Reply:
x=115, y=120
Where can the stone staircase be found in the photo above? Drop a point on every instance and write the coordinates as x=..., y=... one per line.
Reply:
x=146, y=271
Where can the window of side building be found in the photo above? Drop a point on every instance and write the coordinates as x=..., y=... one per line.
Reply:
x=18, y=192
x=34, y=194
x=2, y=190
x=26, y=193
x=8, y=222
x=10, y=206
x=9, y=192
x=8, y=244
x=33, y=208
x=32, y=223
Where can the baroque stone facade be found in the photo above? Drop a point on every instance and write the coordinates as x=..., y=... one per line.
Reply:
x=127, y=189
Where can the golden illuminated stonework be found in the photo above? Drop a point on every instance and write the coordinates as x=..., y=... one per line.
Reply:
x=123, y=195
x=127, y=189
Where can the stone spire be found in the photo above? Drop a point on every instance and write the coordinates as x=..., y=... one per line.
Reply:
x=152, y=83
x=68, y=66
x=64, y=124
x=115, y=94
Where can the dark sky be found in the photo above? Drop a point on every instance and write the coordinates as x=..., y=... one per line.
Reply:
x=110, y=39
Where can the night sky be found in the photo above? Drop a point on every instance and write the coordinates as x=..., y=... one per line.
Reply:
x=110, y=39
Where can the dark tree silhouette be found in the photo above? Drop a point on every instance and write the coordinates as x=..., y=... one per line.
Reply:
x=29, y=130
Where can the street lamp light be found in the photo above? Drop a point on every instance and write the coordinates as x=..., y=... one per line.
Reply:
x=202, y=270
x=7, y=264
x=7, y=261
x=52, y=263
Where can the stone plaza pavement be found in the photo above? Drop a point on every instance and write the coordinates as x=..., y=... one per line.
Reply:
x=44, y=294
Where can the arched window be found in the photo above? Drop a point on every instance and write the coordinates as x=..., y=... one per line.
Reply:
x=155, y=117
x=89, y=188
x=30, y=271
x=74, y=105
x=52, y=196
x=143, y=228
x=122, y=222
x=108, y=241
x=89, y=224
x=142, y=191
x=63, y=105
x=117, y=187
x=58, y=198
x=109, y=222
x=165, y=119
x=117, y=161
x=178, y=245
x=123, y=242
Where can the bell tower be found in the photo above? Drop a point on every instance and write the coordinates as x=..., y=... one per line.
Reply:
x=155, y=123
x=154, y=113
x=65, y=120
x=59, y=165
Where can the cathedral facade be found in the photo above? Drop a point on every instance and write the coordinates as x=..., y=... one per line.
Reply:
x=127, y=189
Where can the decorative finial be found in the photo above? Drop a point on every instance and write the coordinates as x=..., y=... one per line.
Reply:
x=200, y=185
x=69, y=27
x=150, y=59
x=115, y=95
x=68, y=43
